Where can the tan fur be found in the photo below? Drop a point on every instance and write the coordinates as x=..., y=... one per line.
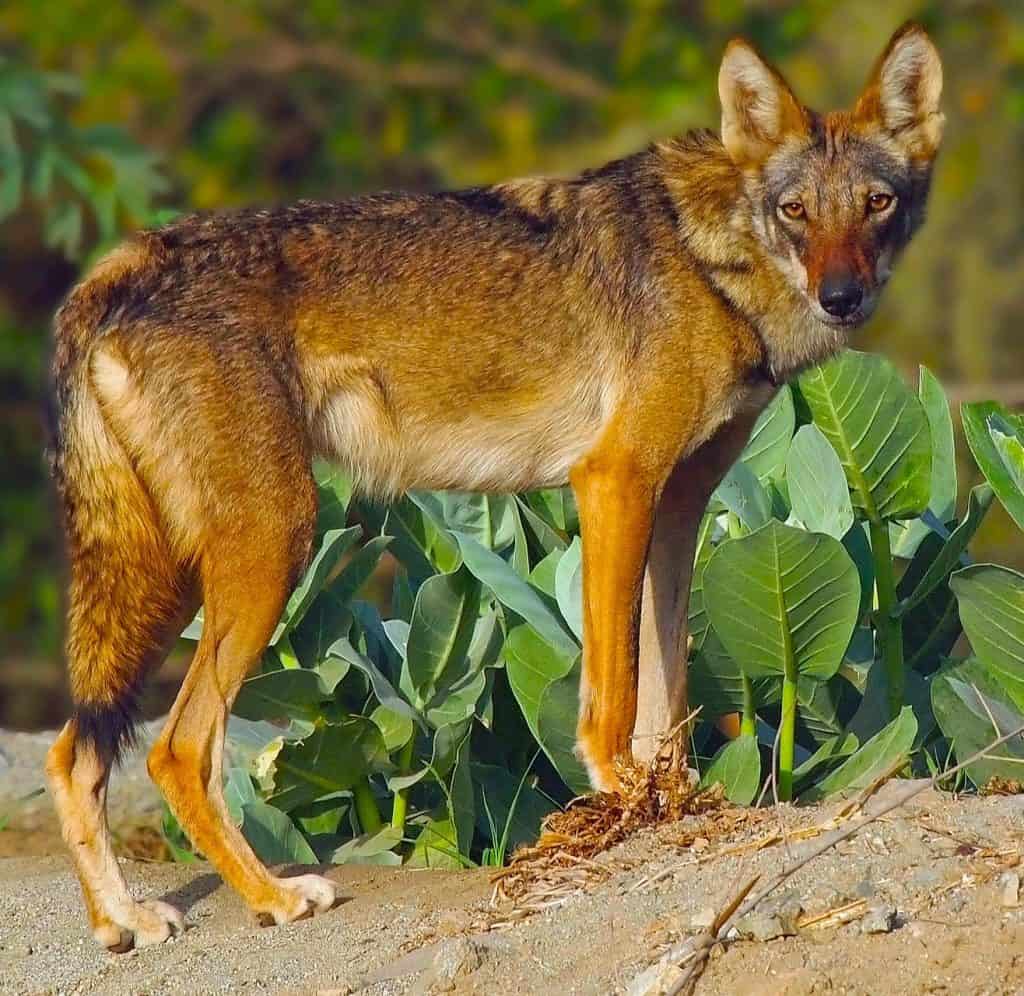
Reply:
x=620, y=330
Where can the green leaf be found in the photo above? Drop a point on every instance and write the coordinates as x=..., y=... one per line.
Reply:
x=273, y=836
x=973, y=708
x=332, y=547
x=371, y=849
x=979, y=418
x=396, y=728
x=457, y=694
x=783, y=594
x=569, y=587
x=878, y=755
x=332, y=759
x=437, y=846
x=497, y=787
x=715, y=682
x=545, y=538
x=533, y=666
x=818, y=491
x=991, y=601
x=238, y=792
x=382, y=688
x=1011, y=452
x=515, y=593
x=942, y=497
x=295, y=692
x=828, y=754
x=949, y=555
x=737, y=768
x=765, y=452
x=744, y=495
x=557, y=506
x=443, y=619
x=879, y=429
x=544, y=576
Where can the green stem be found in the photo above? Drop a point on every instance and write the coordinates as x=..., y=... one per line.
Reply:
x=748, y=725
x=888, y=625
x=733, y=525
x=400, y=805
x=787, y=731
x=366, y=807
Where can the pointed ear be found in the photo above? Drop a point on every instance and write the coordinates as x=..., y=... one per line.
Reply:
x=904, y=90
x=758, y=107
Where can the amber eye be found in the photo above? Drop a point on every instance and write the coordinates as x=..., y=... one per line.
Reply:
x=794, y=210
x=879, y=202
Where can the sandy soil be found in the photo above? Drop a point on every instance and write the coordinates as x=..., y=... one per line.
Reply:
x=939, y=881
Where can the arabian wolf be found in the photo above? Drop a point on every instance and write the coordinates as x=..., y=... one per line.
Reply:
x=619, y=330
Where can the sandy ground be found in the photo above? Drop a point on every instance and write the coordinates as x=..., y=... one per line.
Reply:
x=939, y=882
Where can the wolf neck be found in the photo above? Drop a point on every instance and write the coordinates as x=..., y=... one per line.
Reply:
x=716, y=228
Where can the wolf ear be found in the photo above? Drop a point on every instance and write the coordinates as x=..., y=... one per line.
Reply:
x=904, y=90
x=758, y=107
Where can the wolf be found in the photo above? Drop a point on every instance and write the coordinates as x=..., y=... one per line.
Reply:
x=619, y=330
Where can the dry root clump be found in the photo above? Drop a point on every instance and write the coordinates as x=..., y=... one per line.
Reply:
x=1002, y=786
x=561, y=862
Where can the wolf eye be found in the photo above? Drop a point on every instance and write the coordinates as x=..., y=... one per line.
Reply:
x=793, y=210
x=879, y=202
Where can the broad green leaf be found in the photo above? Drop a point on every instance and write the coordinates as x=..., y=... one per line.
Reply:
x=533, y=665
x=824, y=706
x=557, y=506
x=715, y=682
x=382, y=688
x=238, y=792
x=443, y=619
x=437, y=846
x=569, y=587
x=544, y=576
x=991, y=601
x=461, y=686
x=829, y=754
x=370, y=849
x=818, y=491
x=325, y=621
x=516, y=594
x=879, y=429
x=273, y=836
x=324, y=815
x=973, y=708
x=487, y=518
x=359, y=569
x=737, y=768
x=765, y=452
x=333, y=546
x=979, y=418
x=545, y=538
x=556, y=727
x=781, y=595
x=395, y=727
x=949, y=555
x=744, y=495
x=875, y=758
x=294, y=692
x=1011, y=452
x=697, y=617
x=332, y=759
x=942, y=498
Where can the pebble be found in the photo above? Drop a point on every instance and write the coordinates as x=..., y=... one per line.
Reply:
x=879, y=920
x=456, y=958
x=764, y=927
x=1010, y=883
x=703, y=918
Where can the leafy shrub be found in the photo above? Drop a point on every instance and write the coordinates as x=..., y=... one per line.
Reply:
x=831, y=584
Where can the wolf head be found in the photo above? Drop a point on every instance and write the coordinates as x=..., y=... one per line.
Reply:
x=835, y=197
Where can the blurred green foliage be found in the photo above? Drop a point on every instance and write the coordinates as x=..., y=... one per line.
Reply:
x=261, y=100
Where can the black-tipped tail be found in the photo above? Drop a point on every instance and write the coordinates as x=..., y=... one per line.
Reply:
x=111, y=730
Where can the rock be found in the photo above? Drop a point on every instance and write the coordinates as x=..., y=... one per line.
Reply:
x=456, y=958
x=703, y=919
x=1009, y=882
x=879, y=920
x=764, y=927
x=787, y=907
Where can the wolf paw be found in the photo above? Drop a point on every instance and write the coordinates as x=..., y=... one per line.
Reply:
x=302, y=896
x=148, y=922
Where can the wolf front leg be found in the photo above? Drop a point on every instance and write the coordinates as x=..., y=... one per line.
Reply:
x=661, y=696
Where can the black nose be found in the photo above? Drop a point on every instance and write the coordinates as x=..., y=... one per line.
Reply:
x=840, y=295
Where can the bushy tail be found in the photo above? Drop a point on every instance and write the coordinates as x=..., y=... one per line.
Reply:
x=124, y=587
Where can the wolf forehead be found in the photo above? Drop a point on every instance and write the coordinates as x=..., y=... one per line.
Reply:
x=836, y=156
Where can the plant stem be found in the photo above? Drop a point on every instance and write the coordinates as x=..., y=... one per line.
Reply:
x=748, y=724
x=366, y=807
x=888, y=625
x=401, y=802
x=733, y=525
x=787, y=731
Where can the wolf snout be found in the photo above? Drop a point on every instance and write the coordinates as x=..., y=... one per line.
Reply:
x=840, y=295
